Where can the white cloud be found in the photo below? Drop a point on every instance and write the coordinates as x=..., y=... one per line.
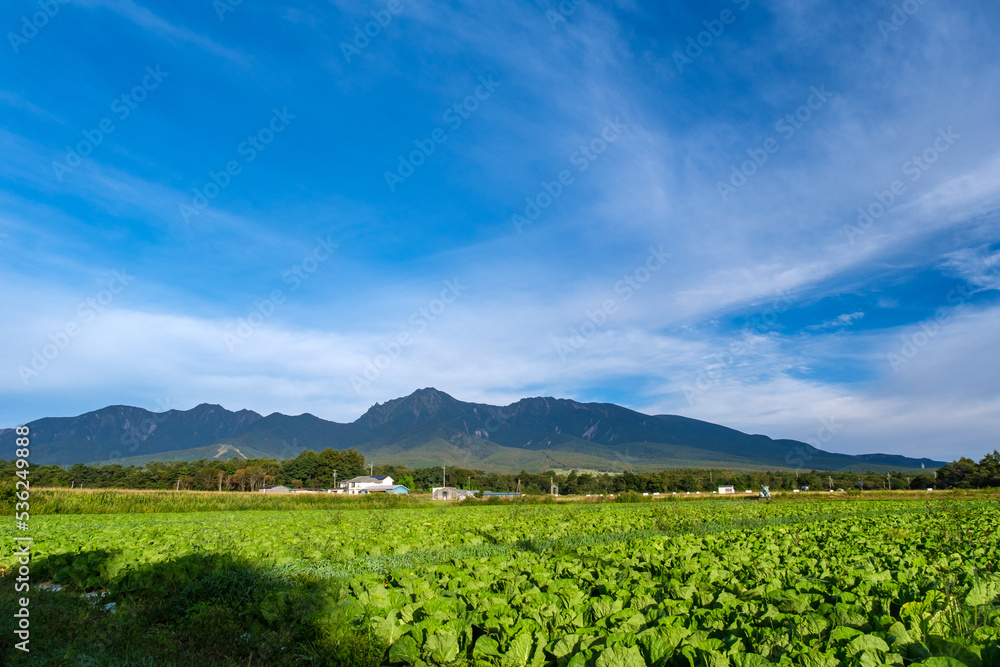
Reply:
x=843, y=320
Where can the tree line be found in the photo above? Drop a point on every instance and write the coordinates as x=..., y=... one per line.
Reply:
x=329, y=467
x=967, y=474
x=309, y=469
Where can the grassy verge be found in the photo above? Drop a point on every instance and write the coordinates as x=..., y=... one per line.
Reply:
x=126, y=501
x=220, y=613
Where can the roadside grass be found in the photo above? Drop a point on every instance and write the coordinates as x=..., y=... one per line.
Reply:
x=129, y=501
x=47, y=500
x=199, y=609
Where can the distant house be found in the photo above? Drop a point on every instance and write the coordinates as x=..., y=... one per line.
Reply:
x=386, y=488
x=726, y=489
x=502, y=494
x=355, y=485
x=275, y=489
x=450, y=493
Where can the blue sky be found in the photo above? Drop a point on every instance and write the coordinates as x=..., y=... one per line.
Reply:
x=772, y=215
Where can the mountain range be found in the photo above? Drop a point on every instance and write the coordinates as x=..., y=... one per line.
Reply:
x=430, y=428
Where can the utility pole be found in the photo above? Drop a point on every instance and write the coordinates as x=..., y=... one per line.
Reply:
x=371, y=469
x=178, y=487
x=888, y=482
x=830, y=479
x=444, y=481
x=335, y=478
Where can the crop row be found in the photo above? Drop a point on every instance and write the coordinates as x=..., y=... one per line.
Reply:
x=893, y=589
x=814, y=583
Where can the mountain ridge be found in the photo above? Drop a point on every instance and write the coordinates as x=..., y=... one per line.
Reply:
x=429, y=427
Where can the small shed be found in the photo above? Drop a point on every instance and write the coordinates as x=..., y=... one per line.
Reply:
x=726, y=489
x=450, y=493
x=275, y=489
x=386, y=488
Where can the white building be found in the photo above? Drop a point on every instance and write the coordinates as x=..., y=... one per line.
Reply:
x=726, y=489
x=450, y=493
x=355, y=485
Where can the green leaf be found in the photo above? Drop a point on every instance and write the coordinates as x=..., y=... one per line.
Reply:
x=626, y=620
x=404, y=650
x=810, y=625
x=518, y=651
x=438, y=607
x=818, y=660
x=749, y=660
x=982, y=593
x=442, y=646
x=941, y=662
x=898, y=630
x=867, y=643
x=389, y=629
x=272, y=608
x=486, y=647
x=565, y=646
x=605, y=607
x=656, y=648
x=843, y=634
x=955, y=648
x=619, y=656
x=847, y=615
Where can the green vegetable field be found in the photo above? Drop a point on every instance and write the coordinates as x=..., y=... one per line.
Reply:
x=793, y=582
